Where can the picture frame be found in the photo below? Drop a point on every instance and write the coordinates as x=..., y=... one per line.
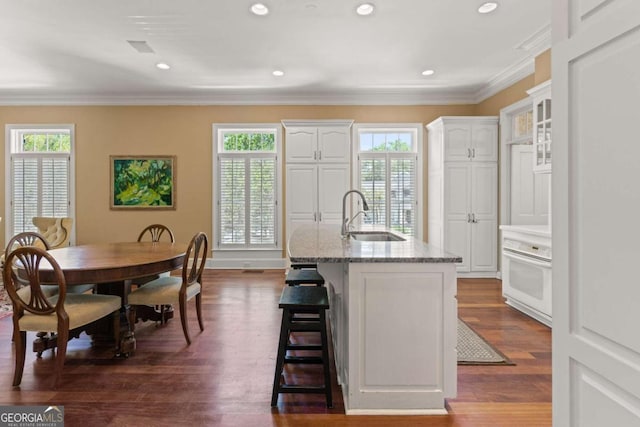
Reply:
x=142, y=182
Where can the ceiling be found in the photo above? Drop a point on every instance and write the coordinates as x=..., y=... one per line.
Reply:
x=77, y=51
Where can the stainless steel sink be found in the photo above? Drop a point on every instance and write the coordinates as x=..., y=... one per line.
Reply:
x=376, y=236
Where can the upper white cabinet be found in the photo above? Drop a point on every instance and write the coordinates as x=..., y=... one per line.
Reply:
x=318, y=170
x=318, y=141
x=541, y=98
x=468, y=140
x=463, y=191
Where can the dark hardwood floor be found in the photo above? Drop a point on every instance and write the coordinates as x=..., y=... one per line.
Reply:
x=225, y=377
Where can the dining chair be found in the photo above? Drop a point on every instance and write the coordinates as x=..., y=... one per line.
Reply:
x=176, y=290
x=31, y=238
x=57, y=231
x=154, y=233
x=61, y=313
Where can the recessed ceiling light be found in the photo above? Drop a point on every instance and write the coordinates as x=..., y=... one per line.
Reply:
x=259, y=9
x=428, y=72
x=365, y=9
x=488, y=7
x=163, y=65
x=278, y=73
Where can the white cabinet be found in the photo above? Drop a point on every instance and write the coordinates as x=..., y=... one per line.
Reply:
x=314, y=193
x=463, y=192
x=465, y=140
x=541, y=98
x=311, y=144
x=317, y=170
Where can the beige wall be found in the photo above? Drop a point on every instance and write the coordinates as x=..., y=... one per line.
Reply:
x=543, y=67
x=183, y=131
x=186, y=132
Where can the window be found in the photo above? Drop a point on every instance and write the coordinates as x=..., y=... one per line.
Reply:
x=247, y=186
x=388, y=174
x=39, y=174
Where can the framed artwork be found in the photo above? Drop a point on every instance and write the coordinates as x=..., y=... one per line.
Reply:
x=143, y=182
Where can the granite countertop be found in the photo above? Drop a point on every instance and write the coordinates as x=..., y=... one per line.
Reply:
x=323, y=243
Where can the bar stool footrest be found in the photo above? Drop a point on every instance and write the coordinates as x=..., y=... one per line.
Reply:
x=306, y=360
x=285, y=388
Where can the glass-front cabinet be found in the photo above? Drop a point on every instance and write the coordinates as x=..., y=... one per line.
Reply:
x=541, y=97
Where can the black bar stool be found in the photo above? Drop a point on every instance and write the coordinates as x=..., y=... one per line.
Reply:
x=309, y=299
x=300, y=276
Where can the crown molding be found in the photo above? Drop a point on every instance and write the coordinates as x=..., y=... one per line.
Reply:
x=534, y=45
x=538, y=42
x=506, y=78
x=253, y=97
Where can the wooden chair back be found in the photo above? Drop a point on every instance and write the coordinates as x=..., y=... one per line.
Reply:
x=22, y=269
x=27, y=238
x=197, y=253
x=155, y=231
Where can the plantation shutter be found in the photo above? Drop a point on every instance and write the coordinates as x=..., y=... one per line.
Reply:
x=232, y=200
x=40, y=187
x=373, y=184
x=263, y=201
x=402, y=204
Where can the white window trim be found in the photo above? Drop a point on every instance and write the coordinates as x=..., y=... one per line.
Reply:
x=10, y=129
x=236, y=258
x=416, y=128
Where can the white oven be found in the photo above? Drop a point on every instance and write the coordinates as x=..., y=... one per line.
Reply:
x=526, y=273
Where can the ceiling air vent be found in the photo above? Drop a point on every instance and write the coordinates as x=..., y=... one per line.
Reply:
x=140, y=46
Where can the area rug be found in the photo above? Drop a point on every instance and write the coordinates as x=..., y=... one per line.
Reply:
x=5, y=303
x=475, y=350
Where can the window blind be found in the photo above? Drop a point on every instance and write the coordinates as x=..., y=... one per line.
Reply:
x=40, y=187
x=232, y=200
x=403, y=198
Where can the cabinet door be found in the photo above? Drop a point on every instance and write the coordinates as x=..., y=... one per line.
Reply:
x=457, y=141
x=457, y=193
x=484, y=245
x=301, y=144
x=333, y=182
x=302, y=196
x=484, y=142
x=484, y=211
x=529, y=192
x=334, y=144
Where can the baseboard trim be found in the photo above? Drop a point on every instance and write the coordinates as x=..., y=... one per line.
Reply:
x=479, y=275
x=246, y=264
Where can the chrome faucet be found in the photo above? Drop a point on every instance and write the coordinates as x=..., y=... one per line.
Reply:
x=345, y=221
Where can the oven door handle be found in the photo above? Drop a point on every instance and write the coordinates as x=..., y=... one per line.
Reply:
x=528, y=260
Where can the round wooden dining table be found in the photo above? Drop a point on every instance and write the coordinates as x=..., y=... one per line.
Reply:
x=112, y=266
x=115, y=262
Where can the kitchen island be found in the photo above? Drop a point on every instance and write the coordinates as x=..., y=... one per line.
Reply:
x=393, y=316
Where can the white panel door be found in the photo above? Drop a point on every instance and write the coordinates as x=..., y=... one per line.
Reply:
x=302, y=196
x=483, y=142
x=333, y=182
x=596, y=200
x=301, y=144
x=457, y=201
x=457, y=141
x=334, y=144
